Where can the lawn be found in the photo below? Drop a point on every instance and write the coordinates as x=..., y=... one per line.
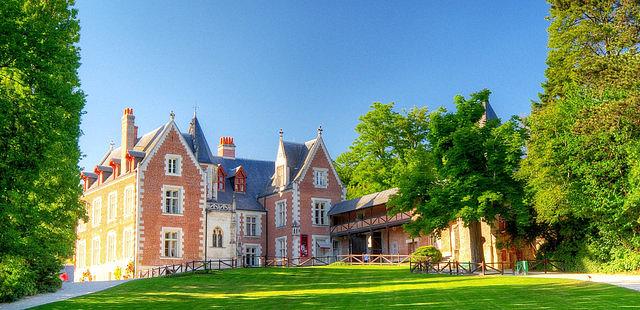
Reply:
x=339, y=287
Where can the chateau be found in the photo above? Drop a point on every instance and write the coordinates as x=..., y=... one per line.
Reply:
x=164, y=198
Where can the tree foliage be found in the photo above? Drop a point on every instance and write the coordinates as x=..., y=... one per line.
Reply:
x=593, y=44
x=40, y=104
x=583, y=173
x=469, y=173
x=387, y=141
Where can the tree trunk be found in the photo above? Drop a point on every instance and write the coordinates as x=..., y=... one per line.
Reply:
x=476, y=242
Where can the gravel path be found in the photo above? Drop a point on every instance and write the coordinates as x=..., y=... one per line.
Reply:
x=68, y=290
x=628, y=281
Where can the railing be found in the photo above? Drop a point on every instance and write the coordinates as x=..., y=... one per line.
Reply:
x=191, y=266
x=484, y=268
x=298, y=261
x=370, y=222
x=373, y=259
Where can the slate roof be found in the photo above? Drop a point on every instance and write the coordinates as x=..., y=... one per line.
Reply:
x=197, y=141
x=364, y=202
x=297, y=155
x=259, y=174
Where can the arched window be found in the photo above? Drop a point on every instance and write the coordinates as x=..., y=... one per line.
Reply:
x=217, y=237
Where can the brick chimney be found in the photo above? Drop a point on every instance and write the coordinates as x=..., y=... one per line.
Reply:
x=129, y=135
x=226, y=148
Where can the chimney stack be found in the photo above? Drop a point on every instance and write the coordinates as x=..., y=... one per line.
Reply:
x=129, y=135
x=226, y=148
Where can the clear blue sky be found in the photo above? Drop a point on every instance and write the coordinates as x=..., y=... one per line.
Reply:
x=253, y=67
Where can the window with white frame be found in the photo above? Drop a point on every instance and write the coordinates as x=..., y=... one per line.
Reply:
x=96, y=212
x=320, y=177
x=250, y=255
x=128, y=201
x=281, y=213
x=251, y=225
x=320, y=211
x=171, y=242
x=95, y=251
x=172, y=200
x=112, y=206
x=127, y=243
x=111, y=247
x=173, y=164
x=281, y=247
x=217, y=238
x=82, y=226
x=81, y=254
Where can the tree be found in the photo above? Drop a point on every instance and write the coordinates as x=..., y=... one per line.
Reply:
x=592, y=44
x=40, y=104
x=468, y=174
x=387, y=140
x=583, y=175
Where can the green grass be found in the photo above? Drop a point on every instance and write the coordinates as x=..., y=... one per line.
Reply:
x=342, y=287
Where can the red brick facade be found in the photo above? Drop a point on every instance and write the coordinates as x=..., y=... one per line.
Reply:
x=190, y=222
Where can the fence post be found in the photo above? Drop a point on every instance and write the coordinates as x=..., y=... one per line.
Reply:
x=483, y=268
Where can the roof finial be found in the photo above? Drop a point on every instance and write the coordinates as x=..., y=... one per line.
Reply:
x=195, y=110
x=281, y=133
x=172, y=115
x=320, y=130
x=112, y=144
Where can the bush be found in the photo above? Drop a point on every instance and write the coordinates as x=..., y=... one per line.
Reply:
x=16, y=279
x=117, y=273
x=426, y=253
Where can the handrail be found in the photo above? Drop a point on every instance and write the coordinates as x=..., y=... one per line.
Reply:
x=484, y=268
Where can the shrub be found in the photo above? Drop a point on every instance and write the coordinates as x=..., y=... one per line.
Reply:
x=117, y=273
x=16, y=279
x=426, y=253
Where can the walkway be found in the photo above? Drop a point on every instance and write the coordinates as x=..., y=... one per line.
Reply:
x=628, y=281
x=68, y=290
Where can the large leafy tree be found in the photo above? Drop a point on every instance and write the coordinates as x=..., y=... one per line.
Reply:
x=40, y=104
x=387, y=141
x=581, y=161
x=592, y=43
x=583, y=173
x=469, y=173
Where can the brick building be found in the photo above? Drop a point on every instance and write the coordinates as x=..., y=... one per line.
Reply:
x=165, y=198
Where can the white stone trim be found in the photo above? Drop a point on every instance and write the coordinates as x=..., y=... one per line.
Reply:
x=96, y=218
x=181, y=197
x=178, y=159
x=95, y=253
x=180, y=242
x=275, y=246
x=258, y=216
x=111, y=247
x=81, y=256
x=327, y=202
x=127, y=211
x=326, y=177
x=112, y=198
x=284, y=220
x=128, y=231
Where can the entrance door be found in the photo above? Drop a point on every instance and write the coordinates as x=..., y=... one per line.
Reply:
x=376, y=242
x=358, y=244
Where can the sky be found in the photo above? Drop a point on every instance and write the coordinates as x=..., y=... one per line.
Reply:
x=253, y=67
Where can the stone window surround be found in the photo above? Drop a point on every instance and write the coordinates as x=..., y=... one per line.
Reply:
x=325, y=172
x=180, y=242
x=96, y=218
x=181, y=196
x=327, y=207
x=178, y=166
x=283, y=241
x=284, y=219
x=112, y=201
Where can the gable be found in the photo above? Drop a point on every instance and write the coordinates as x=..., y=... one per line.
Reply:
x=318, y=157
x=171, y=132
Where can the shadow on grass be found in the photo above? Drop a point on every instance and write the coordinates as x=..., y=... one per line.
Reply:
x=333, y=288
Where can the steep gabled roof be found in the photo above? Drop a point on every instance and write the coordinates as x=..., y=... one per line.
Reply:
x=198, y=142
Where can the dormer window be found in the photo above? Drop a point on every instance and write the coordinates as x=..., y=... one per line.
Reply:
x=221, y=178
x=240, y=184
x=280, y=176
